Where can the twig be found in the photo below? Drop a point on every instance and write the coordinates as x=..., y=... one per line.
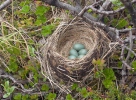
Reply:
x=123, y=72
x=96, y=3
x=131, y=84
x=130, y=50
x=5, y=65
x=78, y=3
x=110, y=50
x=127, y=30
x=105, y=12
x=126, y=65
x=130, y=46
x=82, y=11
x=122, y=53
x=5, y=4
x=105, y=6
x=101, y=11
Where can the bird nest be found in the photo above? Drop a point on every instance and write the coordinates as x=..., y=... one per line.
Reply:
x=55, y=51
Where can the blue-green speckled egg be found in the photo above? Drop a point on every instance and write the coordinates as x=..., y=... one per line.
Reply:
x=82, y=52
x=73, y=52
x=80, y=56
x=78, y=46
x=72, y=57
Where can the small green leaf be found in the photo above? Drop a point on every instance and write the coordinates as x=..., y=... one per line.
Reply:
x=109, y=74
x=106, y=20
x=31, y=50
x=69, y=97
x=34, y=97
x=134, y=65
x=133, y=94
x=116, y=3
x=107, y=83
x=129, y=27
x=7, y=84
x=119, y=64
x=40, y=20
x=84, y=92
x=45, y=87
x=132, y=55
x=25, y=97
x=74, y=86
x=18, y=96
x=40, y=10
x=16, y=51
x=89, y=11
x=98, y=74
x=35, y=77
x=51, y=96
x=128, y=98
x=11, y=89
x=6, y=95
x=121, y=23
x=13, y=66
x=25, y=9
x=46, y=30
x=22, y=73
x=99, y=63
x=26, y=2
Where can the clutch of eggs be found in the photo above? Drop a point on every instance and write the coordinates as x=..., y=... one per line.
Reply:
x=78, y=51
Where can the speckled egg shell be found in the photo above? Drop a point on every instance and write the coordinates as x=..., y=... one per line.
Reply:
x=72, y=57
x=78, y=46
x=80, y=56
x=82, y=52
x=73, y=52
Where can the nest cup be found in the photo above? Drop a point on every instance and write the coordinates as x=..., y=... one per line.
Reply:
x=57, y=47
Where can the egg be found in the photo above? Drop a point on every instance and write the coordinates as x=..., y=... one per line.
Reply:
x=82, y=52
x=78, y=46
x=73, y=52
x=80, y=56
x=72, y=57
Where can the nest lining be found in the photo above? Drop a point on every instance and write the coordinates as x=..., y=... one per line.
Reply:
x=74, y=35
